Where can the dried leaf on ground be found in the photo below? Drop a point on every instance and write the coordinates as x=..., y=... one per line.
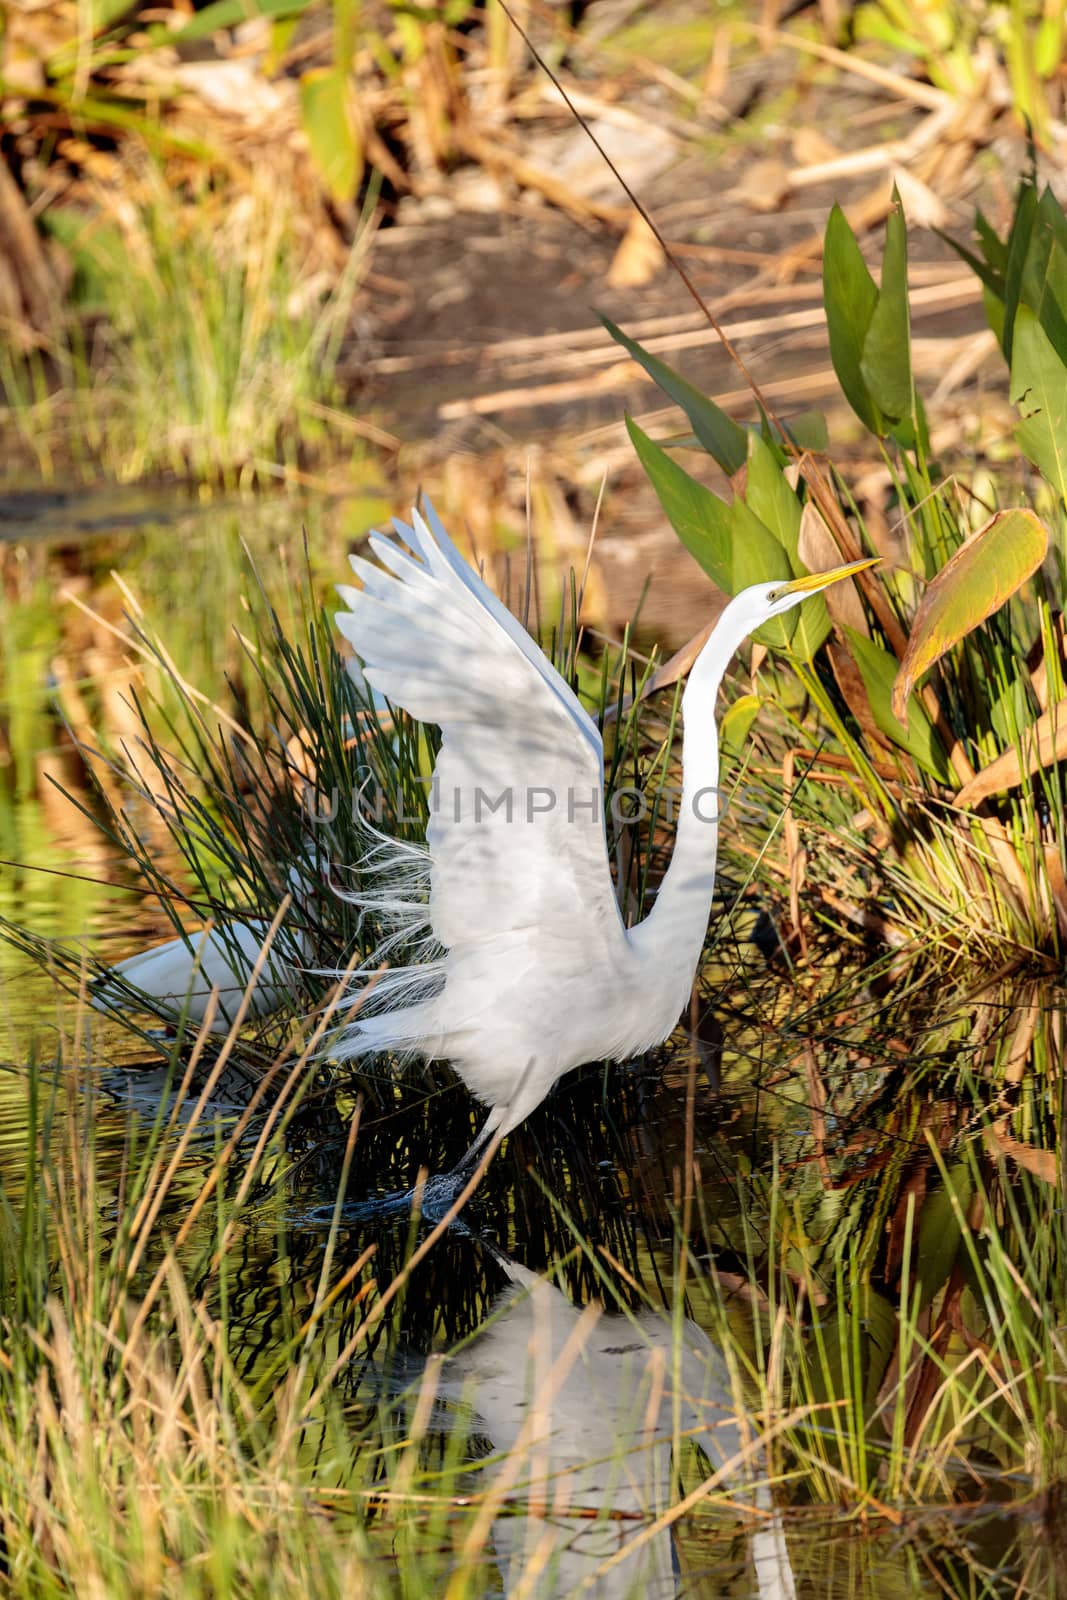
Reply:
x=638, y=258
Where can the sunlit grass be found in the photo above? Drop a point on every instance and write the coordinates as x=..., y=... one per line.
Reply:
x=151, y=1442
x=214, y=345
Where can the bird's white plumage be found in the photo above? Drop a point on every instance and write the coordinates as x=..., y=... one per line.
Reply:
x=436, y=641
x=520, y=893
x=180, y=977
x=525, y=968
x=594, y=1433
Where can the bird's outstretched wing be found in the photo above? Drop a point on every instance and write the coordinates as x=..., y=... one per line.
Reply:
x=516, y=833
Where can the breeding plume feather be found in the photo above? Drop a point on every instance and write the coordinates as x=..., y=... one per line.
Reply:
x=524, y=967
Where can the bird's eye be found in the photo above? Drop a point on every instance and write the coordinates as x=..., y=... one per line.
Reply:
x=774, y=596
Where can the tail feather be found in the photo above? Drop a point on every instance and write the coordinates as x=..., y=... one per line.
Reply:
x=403, y=1032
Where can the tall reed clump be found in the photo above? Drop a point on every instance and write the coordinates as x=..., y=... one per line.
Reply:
x=938, y=678
x=218, y=305
x=148, y=1444
x=154, y=1439
x=200, y=343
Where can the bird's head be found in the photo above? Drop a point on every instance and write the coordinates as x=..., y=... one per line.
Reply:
x=749, y=610
x=765, y=600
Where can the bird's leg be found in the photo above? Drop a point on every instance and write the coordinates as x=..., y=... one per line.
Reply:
x=499, y=1122
x=440, y=1191
x=492, y=1122
x=510, y=1115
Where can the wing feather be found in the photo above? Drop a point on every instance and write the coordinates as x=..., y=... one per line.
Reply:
x=516, y=832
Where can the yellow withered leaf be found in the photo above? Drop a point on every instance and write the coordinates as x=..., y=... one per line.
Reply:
x=1041, y=745
x=977, y=579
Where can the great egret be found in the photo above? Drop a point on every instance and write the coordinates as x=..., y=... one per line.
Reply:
x=583, y=1410
x=522, y=966
x=179, y=977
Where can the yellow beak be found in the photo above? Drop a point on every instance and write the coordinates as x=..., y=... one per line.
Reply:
x=812, y=582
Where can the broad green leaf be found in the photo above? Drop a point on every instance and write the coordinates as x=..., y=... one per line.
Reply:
x=939, y=1233
x=682, y=441
x=1052, y=217
x=1050, y=307
x=226, y=14
x=886, y=363
x=994, y=313
x=830, y=1355
x=330, y=125
x=807, y=430
x=812, y=629
x=850, y=297
x=993, y=246
x=878, y=669
x=991, y=278
x=724, y=439
x=975, y=581
x=1039, y=390
x=757, y=557
x=768, y=494
x=735, y=724
x=1043, y=284
x=880, y=1328
x=1035, y=260
x=1019, y=239
x=699, y=518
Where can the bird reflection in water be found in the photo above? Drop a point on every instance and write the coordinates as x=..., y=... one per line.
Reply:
x=583, y=1407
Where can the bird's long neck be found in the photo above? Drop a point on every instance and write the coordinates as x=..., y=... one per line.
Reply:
x=672, y=935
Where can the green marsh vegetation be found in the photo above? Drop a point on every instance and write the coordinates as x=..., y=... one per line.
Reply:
x=221, y=1399
x=940, y=677
x=200, y=351
x=213, y=1330
x=213, y=1317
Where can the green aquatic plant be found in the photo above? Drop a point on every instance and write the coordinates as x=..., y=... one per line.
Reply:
x=936, y=678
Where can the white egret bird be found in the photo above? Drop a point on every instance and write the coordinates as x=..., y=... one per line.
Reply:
x=523, y=967
x=178, y=978
x=584, y=1415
